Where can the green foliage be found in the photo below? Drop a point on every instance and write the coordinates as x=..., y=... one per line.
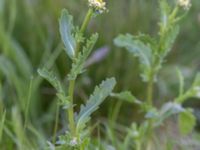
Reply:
x=66, y=29
x=186, y=121
x=29, y=114
x=139, y=49
x=51, y=78
x=75, y=139
x=193, y=91
x=78, y=64
x=166, y=111
x=99, y=94
x=152, y=51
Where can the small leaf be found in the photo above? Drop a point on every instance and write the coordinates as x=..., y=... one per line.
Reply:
x=100, y=93
x=66, y=27
x=187, y=121
x=79, y=62
x=127, y=96
x=139, y=49
x=152, y=113
x=171, y=108
x=167, y=110
x=51, y=78
x=64, y=101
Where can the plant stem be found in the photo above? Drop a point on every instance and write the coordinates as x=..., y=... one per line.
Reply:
x=83, y=27
x=150, y=89
x=70, y=111
x=56, y=124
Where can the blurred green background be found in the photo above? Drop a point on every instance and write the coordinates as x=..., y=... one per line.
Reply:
x=29, y=39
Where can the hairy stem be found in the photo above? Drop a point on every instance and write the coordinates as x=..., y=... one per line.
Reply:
x=70, y=111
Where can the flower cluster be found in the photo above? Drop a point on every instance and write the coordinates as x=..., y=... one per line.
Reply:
x=98, y=5
x=186, y=4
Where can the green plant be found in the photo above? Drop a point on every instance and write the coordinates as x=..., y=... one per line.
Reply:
x=78, y=48
x=152, y=52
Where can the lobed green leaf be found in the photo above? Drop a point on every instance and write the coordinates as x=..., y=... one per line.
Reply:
x=51, y=78
x=139, y=49
x=98, y=96
x=78, y=64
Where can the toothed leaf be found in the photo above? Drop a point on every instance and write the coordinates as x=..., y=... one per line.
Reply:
x=51, y=78
x=78, y=65
x=139, y=49
x=98, y=96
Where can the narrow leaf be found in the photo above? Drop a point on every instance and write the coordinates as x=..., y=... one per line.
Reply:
x=167, y=110
x=126, y=96
x=100, y=93
x=66, y=28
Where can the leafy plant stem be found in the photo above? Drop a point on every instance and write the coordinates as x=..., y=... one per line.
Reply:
x=84, y=26
x=72, y=82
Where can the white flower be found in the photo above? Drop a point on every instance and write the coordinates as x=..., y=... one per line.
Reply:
x=186, y=4
x=98, y=5
x=74, y=142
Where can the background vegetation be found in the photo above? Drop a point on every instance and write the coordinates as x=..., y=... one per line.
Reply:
x=29, y=39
